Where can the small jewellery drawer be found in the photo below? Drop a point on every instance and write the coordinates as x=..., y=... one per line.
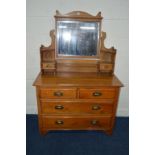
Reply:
x=48, y=65
x=105, y=93
x=56, y=93
x=106, y=67
x=76, y=122
x=76, y=108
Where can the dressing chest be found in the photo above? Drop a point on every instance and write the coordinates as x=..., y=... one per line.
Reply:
x=76, y=88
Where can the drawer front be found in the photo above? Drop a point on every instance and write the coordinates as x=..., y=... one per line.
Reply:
x=106, y=67
x=59, y=122
x=58, y=93
x=75, y=107
x=105, y=93
x=48, y=65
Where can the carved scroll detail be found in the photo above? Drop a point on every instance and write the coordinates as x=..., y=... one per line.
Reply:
x=47, y=55
x=52, y=45
x=107, y=56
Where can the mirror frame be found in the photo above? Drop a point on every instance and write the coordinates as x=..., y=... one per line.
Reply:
x=81, y=17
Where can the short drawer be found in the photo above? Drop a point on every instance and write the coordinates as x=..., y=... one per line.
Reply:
x=106, y=93
x=58, y=93
x=76, y=108
x=75, y=122
x=106, y=67
x=48, y=65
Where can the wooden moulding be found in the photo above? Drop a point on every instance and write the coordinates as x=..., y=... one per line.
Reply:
x=49, y=63
x=78, y=15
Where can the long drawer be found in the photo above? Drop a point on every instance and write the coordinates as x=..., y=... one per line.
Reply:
x=93, y=93
x=76, y=107
x=76, y=122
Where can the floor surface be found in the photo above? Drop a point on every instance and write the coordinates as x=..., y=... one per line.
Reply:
x=77, y=142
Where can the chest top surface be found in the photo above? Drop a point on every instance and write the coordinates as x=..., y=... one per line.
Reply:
x=77, y=79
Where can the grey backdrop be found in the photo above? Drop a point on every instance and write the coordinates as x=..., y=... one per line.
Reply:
x=40, y=21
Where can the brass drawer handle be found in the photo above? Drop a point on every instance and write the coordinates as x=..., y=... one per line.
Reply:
x=59, y=122
x=97, y=94
x=96, y=107
x=94, y=122
x=58, y=94
x=59, y=107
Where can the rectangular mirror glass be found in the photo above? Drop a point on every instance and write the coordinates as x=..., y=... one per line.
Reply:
x=77, y=38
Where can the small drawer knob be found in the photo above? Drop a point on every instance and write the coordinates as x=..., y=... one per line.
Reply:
x=97, y=94
x=94, y=122
x=96, y=107
x=59, y=107
x=58, y=94
x=59, y=122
